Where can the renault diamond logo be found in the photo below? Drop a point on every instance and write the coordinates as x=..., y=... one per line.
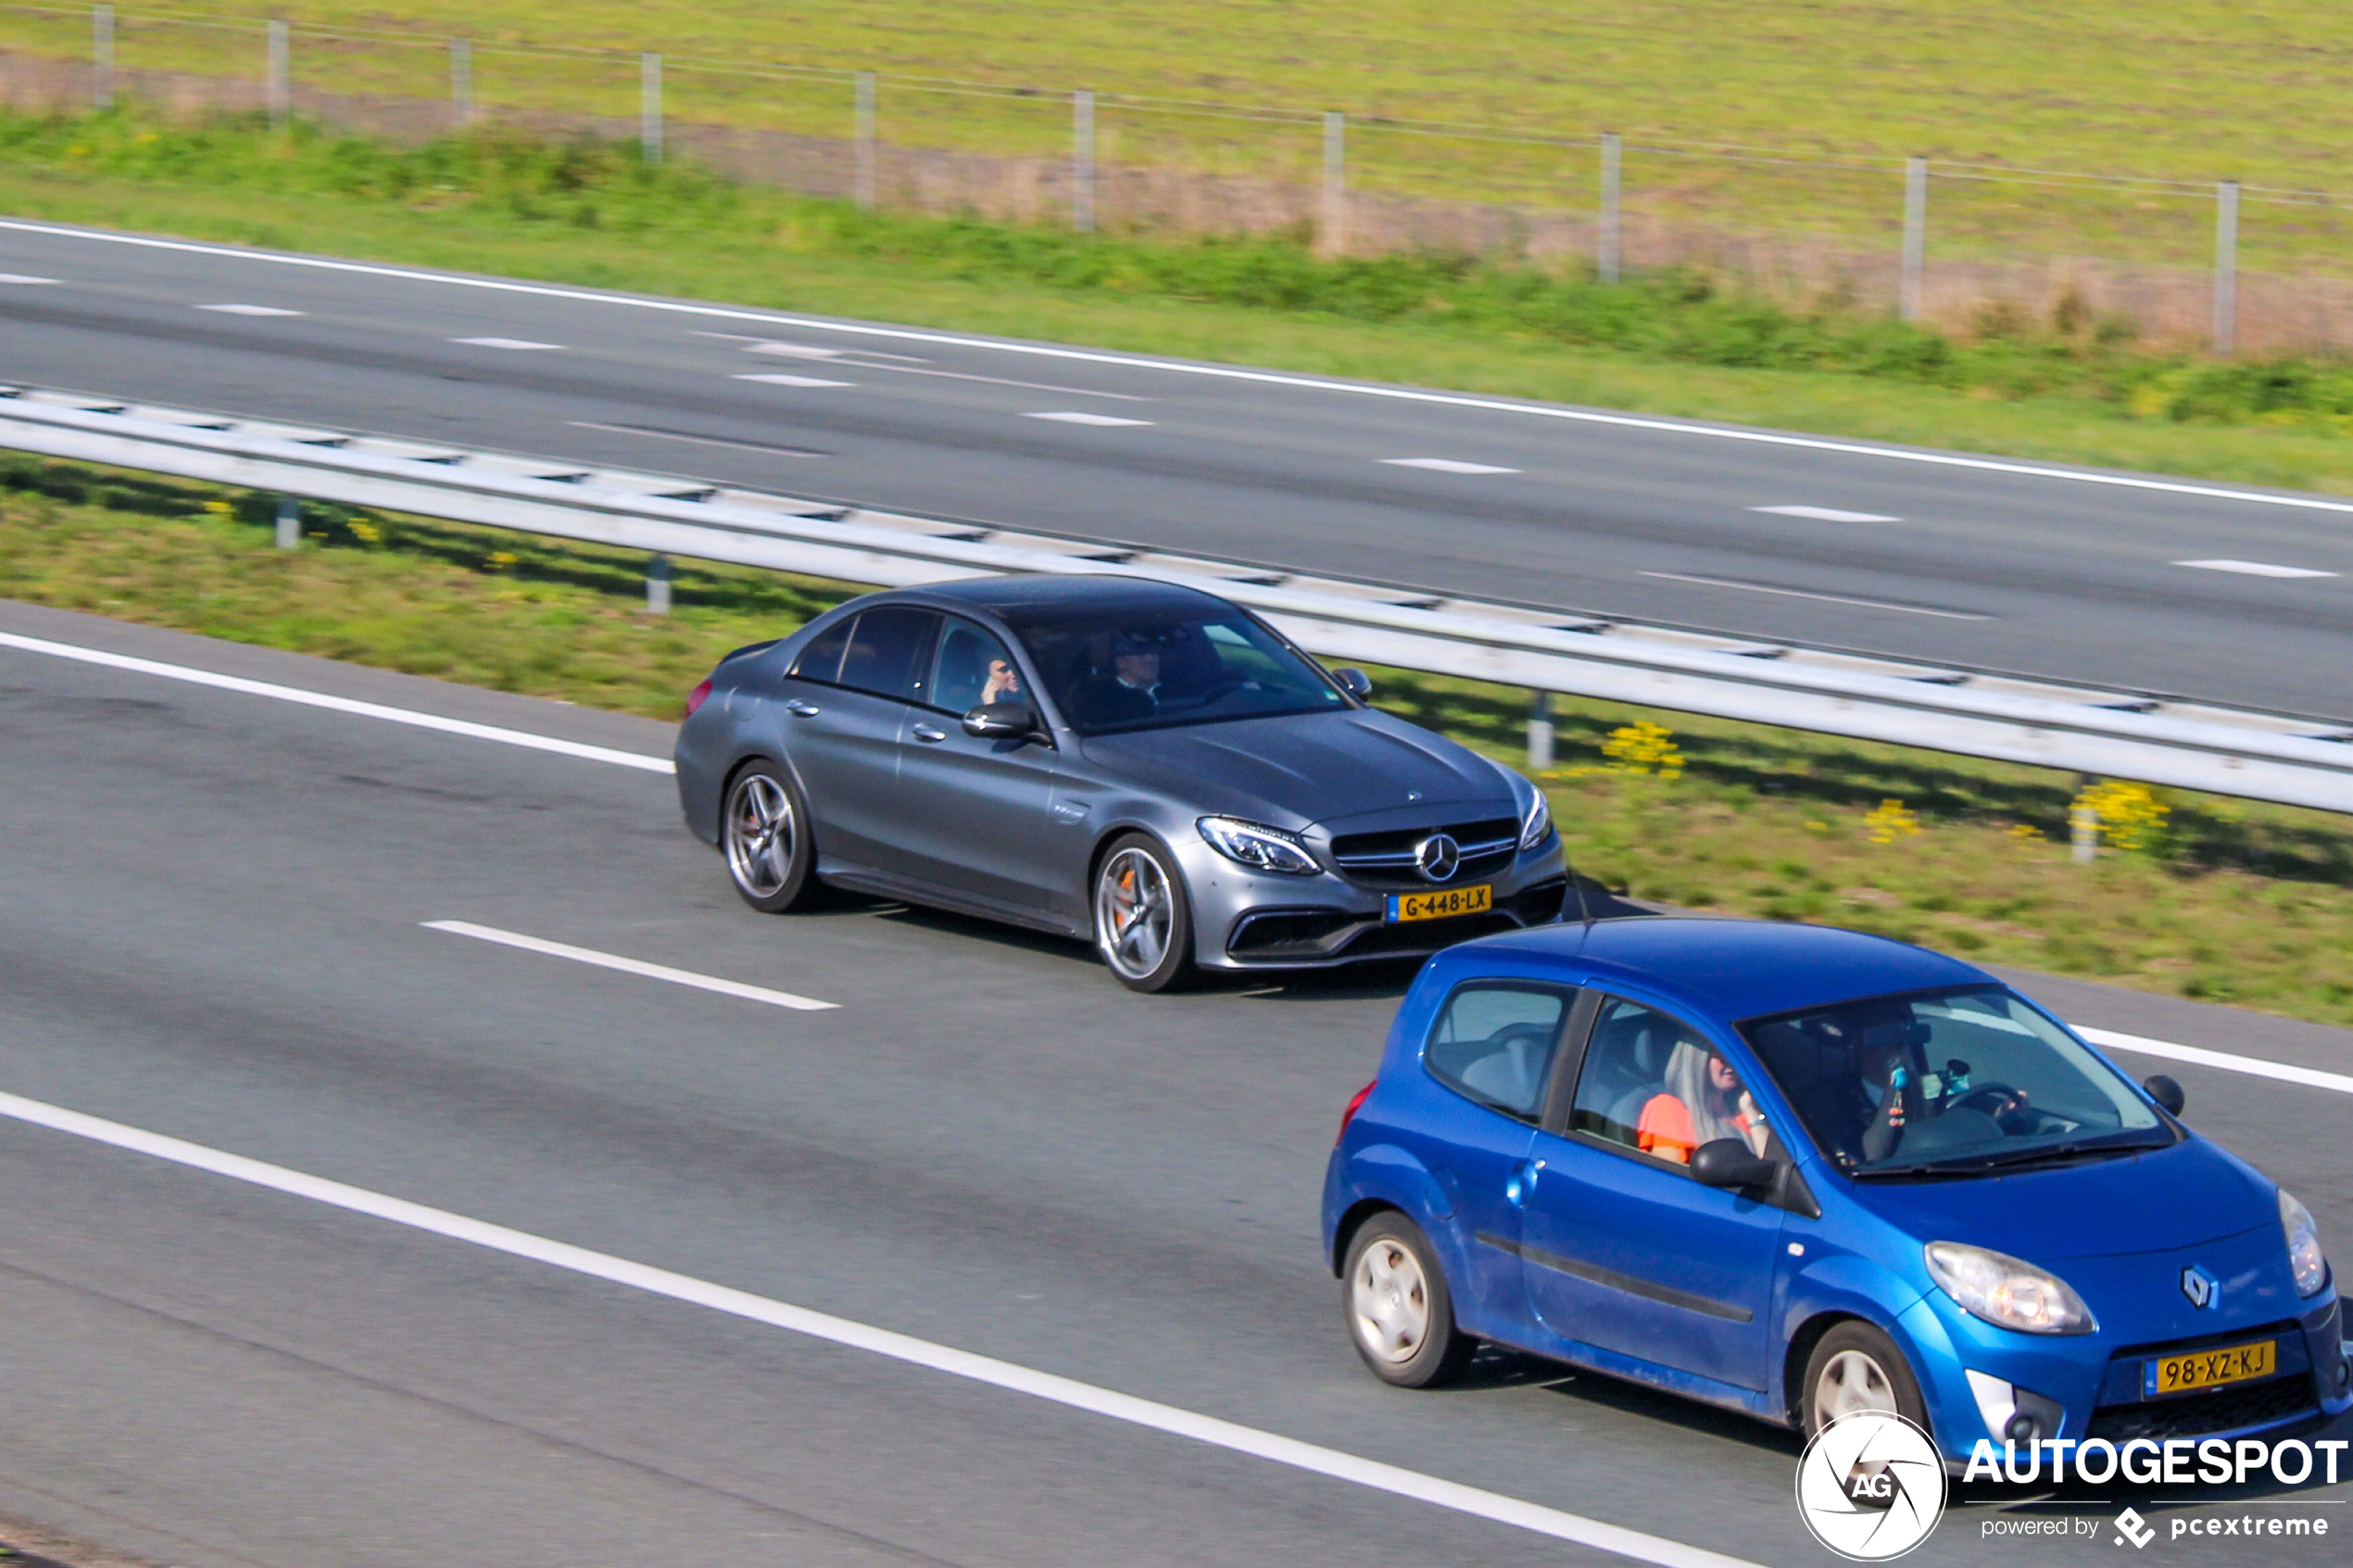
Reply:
x=1438, y=858
x=2202, y=1289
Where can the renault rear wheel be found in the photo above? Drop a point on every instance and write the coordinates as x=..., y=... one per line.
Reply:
x=772, y=857
x=1143, y=924
x=1856, y=1370
x=1401, y=1316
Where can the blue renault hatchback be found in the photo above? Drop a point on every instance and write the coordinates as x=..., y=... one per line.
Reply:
x=1801, y=1173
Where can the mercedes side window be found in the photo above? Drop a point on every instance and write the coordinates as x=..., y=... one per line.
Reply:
x=889, y=651
x=973, y=668
x=1494, y=1044
x=821, y=661
x=1653, y=1084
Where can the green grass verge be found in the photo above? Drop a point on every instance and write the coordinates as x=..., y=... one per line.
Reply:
x=589, y=213
x=2228, y=902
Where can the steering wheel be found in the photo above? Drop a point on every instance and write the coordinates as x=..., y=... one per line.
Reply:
x=1996, y=1101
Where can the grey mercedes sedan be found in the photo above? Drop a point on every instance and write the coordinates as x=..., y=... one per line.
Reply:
x=1135, y=763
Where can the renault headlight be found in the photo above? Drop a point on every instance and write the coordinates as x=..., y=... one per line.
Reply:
x=2007, y=1292
x=2304, y=1257
x=1535, y=824
x=1259, y=847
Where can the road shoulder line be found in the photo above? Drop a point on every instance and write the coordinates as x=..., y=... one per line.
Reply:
x=630, y=966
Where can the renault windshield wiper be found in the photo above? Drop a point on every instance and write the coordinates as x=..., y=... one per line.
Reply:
x=1968, y=1165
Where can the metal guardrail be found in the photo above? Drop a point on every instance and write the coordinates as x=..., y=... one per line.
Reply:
x=2121, y=734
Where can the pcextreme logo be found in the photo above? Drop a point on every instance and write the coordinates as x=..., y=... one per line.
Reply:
x=1870, y=1487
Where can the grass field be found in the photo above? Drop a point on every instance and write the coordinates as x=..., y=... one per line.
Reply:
x=2228, y=902
x=2197, y=90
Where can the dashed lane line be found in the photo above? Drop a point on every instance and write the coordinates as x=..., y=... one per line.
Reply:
x=1149, y=1414
x=2282, y=1072
x=2256, y=568
x=630, y=966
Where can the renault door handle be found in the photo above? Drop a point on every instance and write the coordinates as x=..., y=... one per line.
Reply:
x=1522, y=1185
x=928, y=733
x=800, y=709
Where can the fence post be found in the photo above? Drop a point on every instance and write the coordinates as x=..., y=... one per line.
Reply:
x=1082, y=161
x=2226, y=268
x=1915, y=237
x=650, y=107
x=280, y=72
x=864, y=180
x=102, y=57
x=462, y=81
x=2083, y=829
x=1606, y=263
x=289, y=522
x=1540, y=731
x=1331, y=234
x=657, y=586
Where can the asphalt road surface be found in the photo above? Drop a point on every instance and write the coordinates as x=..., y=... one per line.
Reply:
x=2034, y=568
x=212, y=932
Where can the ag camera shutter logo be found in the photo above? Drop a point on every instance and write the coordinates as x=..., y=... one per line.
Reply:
x=1870, y=1487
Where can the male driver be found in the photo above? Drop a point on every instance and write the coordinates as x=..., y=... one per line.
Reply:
x=1133, y=692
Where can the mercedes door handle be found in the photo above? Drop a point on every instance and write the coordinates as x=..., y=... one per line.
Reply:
x=926, y=733
x=800, y=709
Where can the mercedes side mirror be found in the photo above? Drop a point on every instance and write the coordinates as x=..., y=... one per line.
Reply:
x=2166, y=1092
x=1001, y=721
x=1357, y=683
x=1726, y=1162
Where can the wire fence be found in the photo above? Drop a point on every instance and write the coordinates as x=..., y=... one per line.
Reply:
x=2214, y=264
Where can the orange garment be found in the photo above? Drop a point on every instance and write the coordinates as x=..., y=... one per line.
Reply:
x=1665, y=1129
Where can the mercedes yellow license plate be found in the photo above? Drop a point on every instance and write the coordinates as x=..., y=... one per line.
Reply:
x=1439, y=906
x=2208, y=1369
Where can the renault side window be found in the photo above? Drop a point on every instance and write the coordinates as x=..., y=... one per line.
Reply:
x=889, y=651
x=1494, y=1044
x=820, y=660
x=1653, y=1084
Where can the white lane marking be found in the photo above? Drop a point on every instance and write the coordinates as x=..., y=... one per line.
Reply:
x=249, y=310
x=338, y=704
x=1825, y=514
x=1801, y=594
x=1445, y=465
x=2255, y=569
x=630, y=966
x=504, y=343
x=2286, y=1072
x=23, y=277
x=1223, y=372
x=778, y=378
x=1065, y=416
x=648, y=431
x=1069, y=1392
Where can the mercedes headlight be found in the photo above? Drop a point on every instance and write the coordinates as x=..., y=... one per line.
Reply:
x=1259, y=847
x=2304, y=1258
x=1535, y=824
x=2007, y=1292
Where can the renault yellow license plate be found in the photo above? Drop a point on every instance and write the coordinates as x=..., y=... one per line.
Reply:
x=1439, y=906
x=2208, y=1369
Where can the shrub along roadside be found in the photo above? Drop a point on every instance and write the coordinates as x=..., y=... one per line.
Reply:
x=2226, y=901
x=504, y=178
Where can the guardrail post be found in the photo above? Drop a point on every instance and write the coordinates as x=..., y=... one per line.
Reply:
x=462, y=81
x=1539, y=733
x=1332, y=233
x=102, y=57
x=864, y=182
x=657, y=586
x=1605, y=263
x=289, y=522
x=1915, y=237
x=281, y=77
x=1082, y=161
x=650, y=107
x=2226, y=268
x=2084, y=827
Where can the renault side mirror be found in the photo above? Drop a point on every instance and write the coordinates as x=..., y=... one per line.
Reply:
x=1727, y=1162
x=1001, y=721
x=1357, y=683
x=2166, y=1092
